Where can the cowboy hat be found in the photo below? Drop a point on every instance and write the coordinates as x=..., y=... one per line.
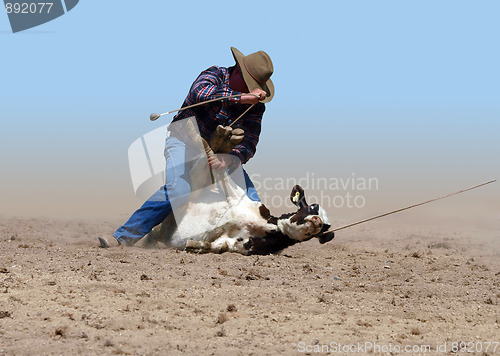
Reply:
x=256, y=69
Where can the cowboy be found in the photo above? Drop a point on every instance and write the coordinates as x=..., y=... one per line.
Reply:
x=248, y=85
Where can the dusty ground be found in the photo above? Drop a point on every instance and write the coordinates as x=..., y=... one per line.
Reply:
x=393, y=286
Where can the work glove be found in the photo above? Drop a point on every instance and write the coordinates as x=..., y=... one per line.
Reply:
x=225, y=138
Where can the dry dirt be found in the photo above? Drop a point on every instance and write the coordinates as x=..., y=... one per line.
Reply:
x=393, y=286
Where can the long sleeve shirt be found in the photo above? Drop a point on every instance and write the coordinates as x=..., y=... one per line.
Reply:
x=213, y=83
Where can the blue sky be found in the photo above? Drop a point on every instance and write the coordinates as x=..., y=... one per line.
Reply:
x=407, y=91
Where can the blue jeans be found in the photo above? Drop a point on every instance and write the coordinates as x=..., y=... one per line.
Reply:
x=179, y=159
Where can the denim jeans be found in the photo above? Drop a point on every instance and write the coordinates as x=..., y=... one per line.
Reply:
x=179, y=159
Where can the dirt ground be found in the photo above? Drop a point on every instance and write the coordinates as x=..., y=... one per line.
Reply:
x=393, y=286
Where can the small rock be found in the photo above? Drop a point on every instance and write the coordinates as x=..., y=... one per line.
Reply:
x=222, y=318
x=5, y=314
x=60, y=331
x=144, y=277
x=415, y=331
x=364, y=323
x=387, y=267
x=322, y=299
x=337, y=278
x=490, y=301
x=252, y=277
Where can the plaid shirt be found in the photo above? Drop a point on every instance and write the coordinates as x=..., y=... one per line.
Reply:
x=213, y=83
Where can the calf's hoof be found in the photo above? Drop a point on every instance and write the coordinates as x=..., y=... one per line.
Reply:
x=197, y=246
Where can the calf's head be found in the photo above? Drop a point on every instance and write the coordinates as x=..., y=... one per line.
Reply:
x=309, y=221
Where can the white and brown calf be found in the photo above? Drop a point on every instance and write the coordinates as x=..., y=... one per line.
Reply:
x=238, y=224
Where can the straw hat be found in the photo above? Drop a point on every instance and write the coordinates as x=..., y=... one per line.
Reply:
x=256, y=69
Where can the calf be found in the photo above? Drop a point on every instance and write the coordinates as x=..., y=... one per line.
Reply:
x=238, y=224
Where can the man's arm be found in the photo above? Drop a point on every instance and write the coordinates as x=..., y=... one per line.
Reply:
x=210, y=84
x=253, y=97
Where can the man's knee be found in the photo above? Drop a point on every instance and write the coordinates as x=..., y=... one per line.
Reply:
x=178, y=188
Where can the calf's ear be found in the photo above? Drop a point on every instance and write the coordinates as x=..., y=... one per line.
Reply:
x=327, y=236
x=298, y=197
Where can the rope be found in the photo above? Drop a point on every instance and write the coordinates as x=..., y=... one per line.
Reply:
x=412, y=206
x=239, y=117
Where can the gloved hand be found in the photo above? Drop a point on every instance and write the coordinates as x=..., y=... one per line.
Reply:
x=225, y=138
